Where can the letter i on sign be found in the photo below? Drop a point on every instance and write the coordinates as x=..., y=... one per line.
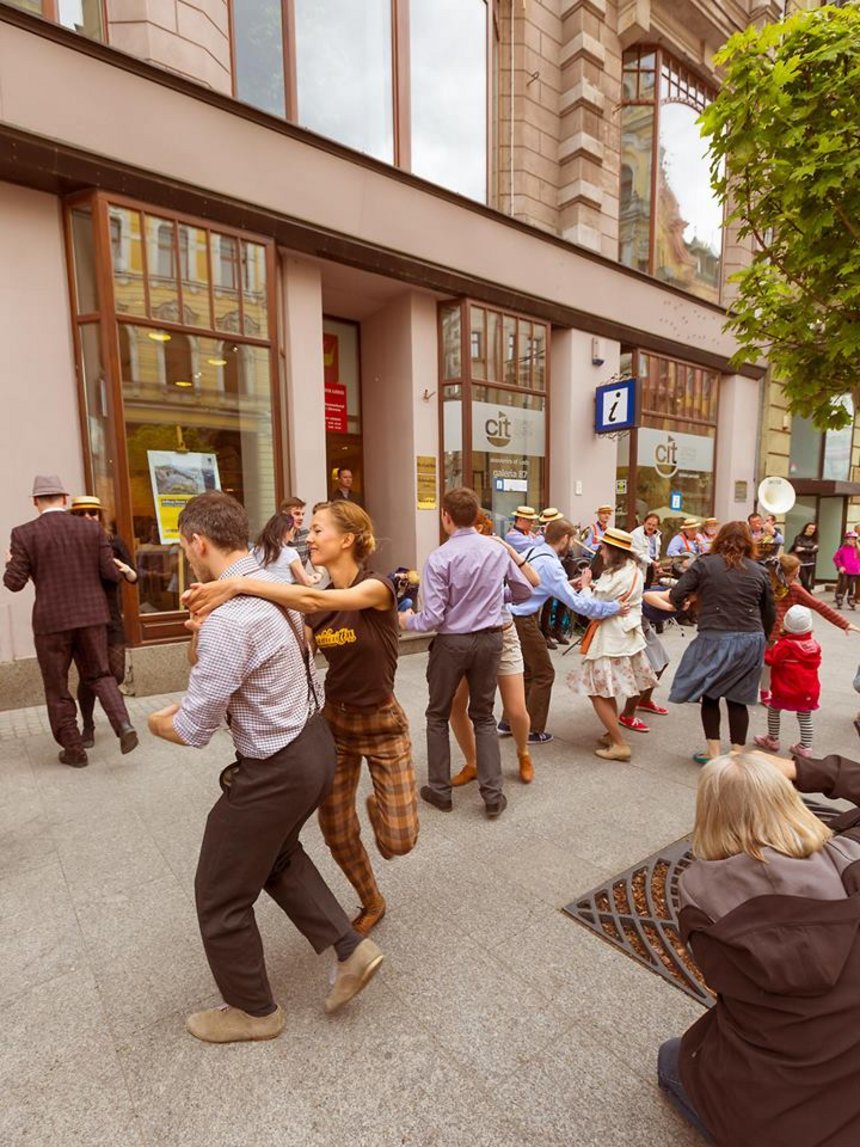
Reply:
x=614, y=407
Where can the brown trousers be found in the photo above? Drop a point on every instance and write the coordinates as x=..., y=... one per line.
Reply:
x=86, y=696
x=251, y=844
x=381, y=736
x=88, y=649
x=539, y=672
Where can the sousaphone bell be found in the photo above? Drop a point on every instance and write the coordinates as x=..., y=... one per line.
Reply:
x=776, y=495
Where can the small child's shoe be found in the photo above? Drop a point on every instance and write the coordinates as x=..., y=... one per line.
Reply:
x=799, y=750
x=767, y=742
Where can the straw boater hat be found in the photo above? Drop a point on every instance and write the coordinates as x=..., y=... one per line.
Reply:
x=604, y=509
x=526, y=512
x=550, y=514
x=711, y=522
x=86, y=502
x=690, y=524
x=618, y=538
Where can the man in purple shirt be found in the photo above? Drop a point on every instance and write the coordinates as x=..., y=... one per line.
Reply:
x=463, y=587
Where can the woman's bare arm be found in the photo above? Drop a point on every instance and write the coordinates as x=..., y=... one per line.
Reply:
x=368, y=594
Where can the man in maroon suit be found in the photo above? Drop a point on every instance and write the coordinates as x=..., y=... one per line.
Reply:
x=67, y=558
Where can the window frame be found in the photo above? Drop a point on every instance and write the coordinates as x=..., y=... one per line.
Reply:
x=401, y=79
x=680, y=75
x=154, y=628
x=50, y=12
x=467, y=383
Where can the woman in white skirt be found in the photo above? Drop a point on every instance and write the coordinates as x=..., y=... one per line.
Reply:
x=614, y=662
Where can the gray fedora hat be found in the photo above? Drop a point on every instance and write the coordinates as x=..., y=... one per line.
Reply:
x=47, y=486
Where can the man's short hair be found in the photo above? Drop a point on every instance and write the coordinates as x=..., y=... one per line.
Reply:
x=754, y=514
x=343, y=470
x=49, y=500
x=292, y=503
x=461, y=506
x=557, y=530
x=217, y=517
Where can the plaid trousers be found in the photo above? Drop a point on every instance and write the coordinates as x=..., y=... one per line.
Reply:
x=382, y=737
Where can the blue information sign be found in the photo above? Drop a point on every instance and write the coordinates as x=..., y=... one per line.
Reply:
x=675, y=500
x=615, y=406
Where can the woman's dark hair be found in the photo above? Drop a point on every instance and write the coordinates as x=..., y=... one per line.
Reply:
x=802, y=535
x=614, y=557
x=271, y=539
x=734, y=543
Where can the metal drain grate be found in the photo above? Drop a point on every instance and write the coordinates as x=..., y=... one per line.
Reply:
x=638, y=913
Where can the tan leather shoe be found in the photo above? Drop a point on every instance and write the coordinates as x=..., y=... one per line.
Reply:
x=369, y=916
x=604, y=742
x=614, y=753
x=527, y=769
x=354, y=974
x=232, y=1025
x=465, y=775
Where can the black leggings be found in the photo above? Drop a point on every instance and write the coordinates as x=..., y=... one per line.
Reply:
x=739, y=720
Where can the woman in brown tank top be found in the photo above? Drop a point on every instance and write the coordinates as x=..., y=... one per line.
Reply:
x=354, y=625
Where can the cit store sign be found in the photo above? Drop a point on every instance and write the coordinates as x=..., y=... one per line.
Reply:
x=671, y=453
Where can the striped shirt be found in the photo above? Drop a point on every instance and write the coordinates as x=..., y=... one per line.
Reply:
x=250, y=669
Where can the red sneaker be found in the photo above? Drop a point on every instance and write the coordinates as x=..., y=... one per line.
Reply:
x=653, y=707
x=634, y=723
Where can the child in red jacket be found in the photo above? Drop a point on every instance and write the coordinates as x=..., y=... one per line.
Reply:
x=794, y=661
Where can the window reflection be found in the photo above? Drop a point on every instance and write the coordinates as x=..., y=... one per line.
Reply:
x=670, y=221
x=508, y=449
x=186, y=395
x=84, y=16
x=259, y=50
x=451, y=365
x=448, y=61
x=344, y=72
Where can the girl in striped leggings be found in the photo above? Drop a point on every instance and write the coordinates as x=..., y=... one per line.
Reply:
x=794, y=662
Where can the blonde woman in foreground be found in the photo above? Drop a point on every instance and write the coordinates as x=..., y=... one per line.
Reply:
x=771, y=912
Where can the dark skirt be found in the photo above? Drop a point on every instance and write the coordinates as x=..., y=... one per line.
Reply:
x=720, y=664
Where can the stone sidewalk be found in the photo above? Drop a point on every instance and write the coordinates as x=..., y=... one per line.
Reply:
x=495, y=1020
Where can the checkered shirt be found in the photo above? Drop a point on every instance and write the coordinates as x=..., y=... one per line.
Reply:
x=250, y=668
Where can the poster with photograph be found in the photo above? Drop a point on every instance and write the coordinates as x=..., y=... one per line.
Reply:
x=176, y=478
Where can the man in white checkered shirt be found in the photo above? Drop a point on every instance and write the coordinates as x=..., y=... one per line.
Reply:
x=252, y=666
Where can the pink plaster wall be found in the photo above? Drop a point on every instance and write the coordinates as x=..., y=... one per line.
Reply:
x=39, y=430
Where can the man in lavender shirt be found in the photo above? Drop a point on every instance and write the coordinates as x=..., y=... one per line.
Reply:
x=463, y=586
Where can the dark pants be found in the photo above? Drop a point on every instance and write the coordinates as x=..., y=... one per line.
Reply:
x=846, y=582
x=807, y=577
x=86, y=696
x=252, y=843
x=476, y=657
x=669, y=1078
x=88, y=649
x=539, y=672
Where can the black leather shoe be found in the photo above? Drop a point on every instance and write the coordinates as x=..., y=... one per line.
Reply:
x=76, y=758
x=428, y=795
x=550, y=644
x=561, y=639
x=127, y=739
x=497, y=808
x=88, y=736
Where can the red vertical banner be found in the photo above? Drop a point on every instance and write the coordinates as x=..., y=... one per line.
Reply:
x=335, y=408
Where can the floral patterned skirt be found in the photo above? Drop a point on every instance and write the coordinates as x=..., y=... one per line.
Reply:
x=613, y=676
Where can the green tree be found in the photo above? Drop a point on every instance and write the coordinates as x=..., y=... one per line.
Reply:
x=784, y=138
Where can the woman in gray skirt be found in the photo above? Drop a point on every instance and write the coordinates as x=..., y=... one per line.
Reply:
x=735, y=612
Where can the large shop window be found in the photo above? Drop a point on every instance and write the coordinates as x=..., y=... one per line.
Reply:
x=670, y=220
x=84, y=16
x=406, y=81
x=173, y=333
x=667, y=465
x=495, y=374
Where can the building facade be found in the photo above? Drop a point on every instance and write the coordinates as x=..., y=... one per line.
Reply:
x=246, y=242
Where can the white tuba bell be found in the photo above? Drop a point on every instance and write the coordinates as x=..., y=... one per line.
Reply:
x=776, y=495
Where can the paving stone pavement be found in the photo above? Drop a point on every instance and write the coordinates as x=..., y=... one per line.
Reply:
x=495, y=1020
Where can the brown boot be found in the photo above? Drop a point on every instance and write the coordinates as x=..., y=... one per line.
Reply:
x=465, y=775
x=527, y=769
x=369, y=916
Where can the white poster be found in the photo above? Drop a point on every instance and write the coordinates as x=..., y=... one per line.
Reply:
x=670, y=452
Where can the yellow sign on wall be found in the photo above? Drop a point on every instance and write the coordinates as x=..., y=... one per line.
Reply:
x=426, y=475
